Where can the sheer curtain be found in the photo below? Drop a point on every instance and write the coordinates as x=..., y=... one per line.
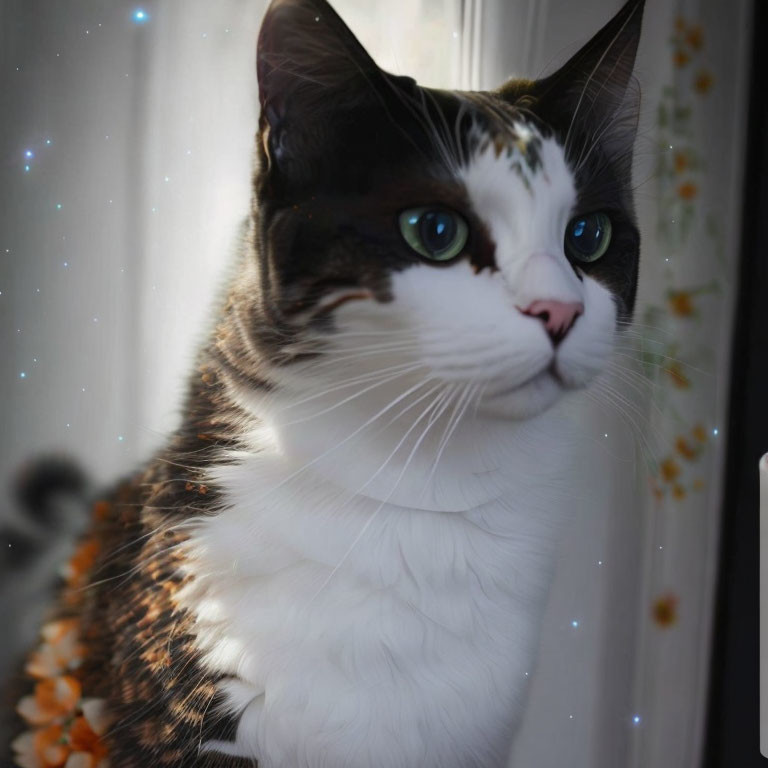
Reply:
x=200, y=121
x=115, y=236
x=629, y=685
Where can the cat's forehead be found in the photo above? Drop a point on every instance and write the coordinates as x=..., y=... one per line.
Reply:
x=514, y=163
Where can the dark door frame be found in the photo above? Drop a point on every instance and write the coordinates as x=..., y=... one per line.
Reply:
x=732, y=737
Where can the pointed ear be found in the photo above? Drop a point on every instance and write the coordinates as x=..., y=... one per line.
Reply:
x=594, y=94
x=308, y=61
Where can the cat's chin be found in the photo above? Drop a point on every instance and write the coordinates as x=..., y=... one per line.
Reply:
x=526, y=400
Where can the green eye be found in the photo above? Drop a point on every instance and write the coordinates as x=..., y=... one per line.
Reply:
x=587, y=237
x=434, y=233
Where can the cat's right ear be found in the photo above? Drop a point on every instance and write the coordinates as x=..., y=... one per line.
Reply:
x=594, y=93
x=310, y=67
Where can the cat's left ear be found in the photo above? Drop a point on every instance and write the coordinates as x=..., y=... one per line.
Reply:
x=594, y=96
x=310, y=67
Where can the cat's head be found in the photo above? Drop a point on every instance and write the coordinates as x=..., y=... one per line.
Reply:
x=486, y=240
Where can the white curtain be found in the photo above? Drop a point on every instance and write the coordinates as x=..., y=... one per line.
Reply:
x=628, y=686
x=115, y=242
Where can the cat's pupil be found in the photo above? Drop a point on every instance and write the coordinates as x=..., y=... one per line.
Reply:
x=586, y=234
x=587, y=237
x=437, y=230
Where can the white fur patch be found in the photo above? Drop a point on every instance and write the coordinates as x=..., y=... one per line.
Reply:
x=375, y=581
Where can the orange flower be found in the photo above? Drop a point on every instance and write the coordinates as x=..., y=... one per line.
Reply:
x=82, y=738
x=681, y=57
x=681, y=162
x=43, y=748
x=85, y=760
x=685, y=449
x=700, y=433
x=664, y=610
x=80, y=760
x=695, y=37
x=73, y=745
x=78, y=568
x=58, y=631
x=96, y=713
x=54, y=698
x=703, y=81
x=59, y=652
x=681, y=303
x=687, y=190
x=670, y=470
x=49, y=748
x=679, y=24
x=65, y=728
x=678, y=492
x=679, y=379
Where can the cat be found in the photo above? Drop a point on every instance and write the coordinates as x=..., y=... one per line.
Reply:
x=343, y=555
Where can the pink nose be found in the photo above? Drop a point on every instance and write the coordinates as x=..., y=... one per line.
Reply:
x=558, y=316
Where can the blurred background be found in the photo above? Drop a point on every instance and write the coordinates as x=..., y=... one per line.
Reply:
x=126, y=133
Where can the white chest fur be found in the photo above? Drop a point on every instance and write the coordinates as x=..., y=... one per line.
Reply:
x=361, y=631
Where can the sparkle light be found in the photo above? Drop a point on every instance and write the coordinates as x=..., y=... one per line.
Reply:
x=715, y=432
x=574, y=623
x=22, y=375
x=26, y=169
x=140, y=16
x=29, y=153
x=48, y=142
x=636, y=720
x=120, y=438
x=58, y=206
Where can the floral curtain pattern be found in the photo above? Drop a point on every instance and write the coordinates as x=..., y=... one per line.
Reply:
x=628, y=687
x=682, y=342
